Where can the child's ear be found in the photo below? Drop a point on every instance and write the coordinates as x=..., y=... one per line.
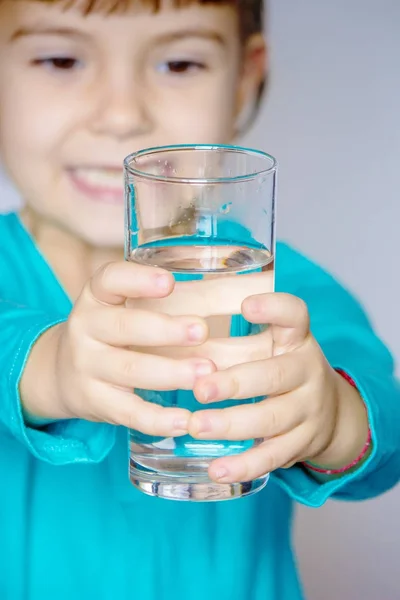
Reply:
x=252, y=77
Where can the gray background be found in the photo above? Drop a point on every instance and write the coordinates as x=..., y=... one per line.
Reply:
x=333, y=120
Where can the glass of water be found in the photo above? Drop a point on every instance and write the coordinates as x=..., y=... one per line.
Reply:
x=203, y=213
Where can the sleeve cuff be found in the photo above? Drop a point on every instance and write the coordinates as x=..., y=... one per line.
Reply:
x=61, y=442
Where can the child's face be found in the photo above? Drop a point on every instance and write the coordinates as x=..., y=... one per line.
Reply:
x=78, y=93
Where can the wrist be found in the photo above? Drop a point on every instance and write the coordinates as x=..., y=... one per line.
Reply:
x=351, y=439
x=38, y=385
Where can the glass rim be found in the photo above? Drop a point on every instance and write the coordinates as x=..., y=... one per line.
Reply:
x=137, y=172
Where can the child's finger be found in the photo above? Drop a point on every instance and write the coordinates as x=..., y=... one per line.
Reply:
x=223, y=352
x=128, y=369
x=209, y=297
x=120, y=326
x=267, y=457
x=286, y=314
x=115, y=282
x=271, y=377
x=120, y=407
x=265, y=419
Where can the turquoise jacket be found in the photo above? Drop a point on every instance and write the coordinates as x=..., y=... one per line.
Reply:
x=73, y=528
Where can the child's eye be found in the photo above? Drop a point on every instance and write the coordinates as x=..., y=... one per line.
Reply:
x=58, y=63
x=179, y=67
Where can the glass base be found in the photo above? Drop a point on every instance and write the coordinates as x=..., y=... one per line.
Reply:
x=194, y=489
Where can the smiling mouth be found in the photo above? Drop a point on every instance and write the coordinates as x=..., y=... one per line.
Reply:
x=104, y=184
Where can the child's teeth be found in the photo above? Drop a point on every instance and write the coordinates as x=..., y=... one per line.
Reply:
x=101, y=177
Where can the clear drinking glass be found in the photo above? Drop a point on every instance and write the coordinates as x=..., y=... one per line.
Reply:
x=203, y=213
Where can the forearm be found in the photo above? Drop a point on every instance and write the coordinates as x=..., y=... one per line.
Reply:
x=351, y=431
x=38, y=388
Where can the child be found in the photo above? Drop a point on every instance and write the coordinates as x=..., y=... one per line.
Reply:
x=81, y=86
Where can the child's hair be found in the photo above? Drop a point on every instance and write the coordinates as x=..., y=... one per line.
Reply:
x=250, y=11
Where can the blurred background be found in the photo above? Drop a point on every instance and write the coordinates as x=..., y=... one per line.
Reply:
x=332, y=118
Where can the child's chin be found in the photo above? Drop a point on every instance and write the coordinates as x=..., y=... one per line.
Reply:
x=102, y=236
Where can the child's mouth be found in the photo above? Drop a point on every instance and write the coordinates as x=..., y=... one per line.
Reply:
x=103, y=184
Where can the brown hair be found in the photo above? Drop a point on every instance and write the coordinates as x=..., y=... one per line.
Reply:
x=250, y=11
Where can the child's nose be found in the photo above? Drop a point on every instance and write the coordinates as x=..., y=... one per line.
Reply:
x=120, y=110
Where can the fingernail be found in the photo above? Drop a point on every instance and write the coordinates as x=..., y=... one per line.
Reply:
x=195, y=332
x=162, y=282
x=181, y=424
x=210, y=392
x=221, y=473
x=204, y=368
x=204, y=425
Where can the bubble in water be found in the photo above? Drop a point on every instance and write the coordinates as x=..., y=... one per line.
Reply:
x=225, y=208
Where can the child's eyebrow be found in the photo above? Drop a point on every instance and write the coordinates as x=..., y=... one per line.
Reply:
x=32, y=31
x=205, y=34
x=163, y=38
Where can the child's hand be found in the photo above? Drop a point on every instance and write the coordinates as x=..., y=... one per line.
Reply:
x=93, y=368
x=311, y=412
